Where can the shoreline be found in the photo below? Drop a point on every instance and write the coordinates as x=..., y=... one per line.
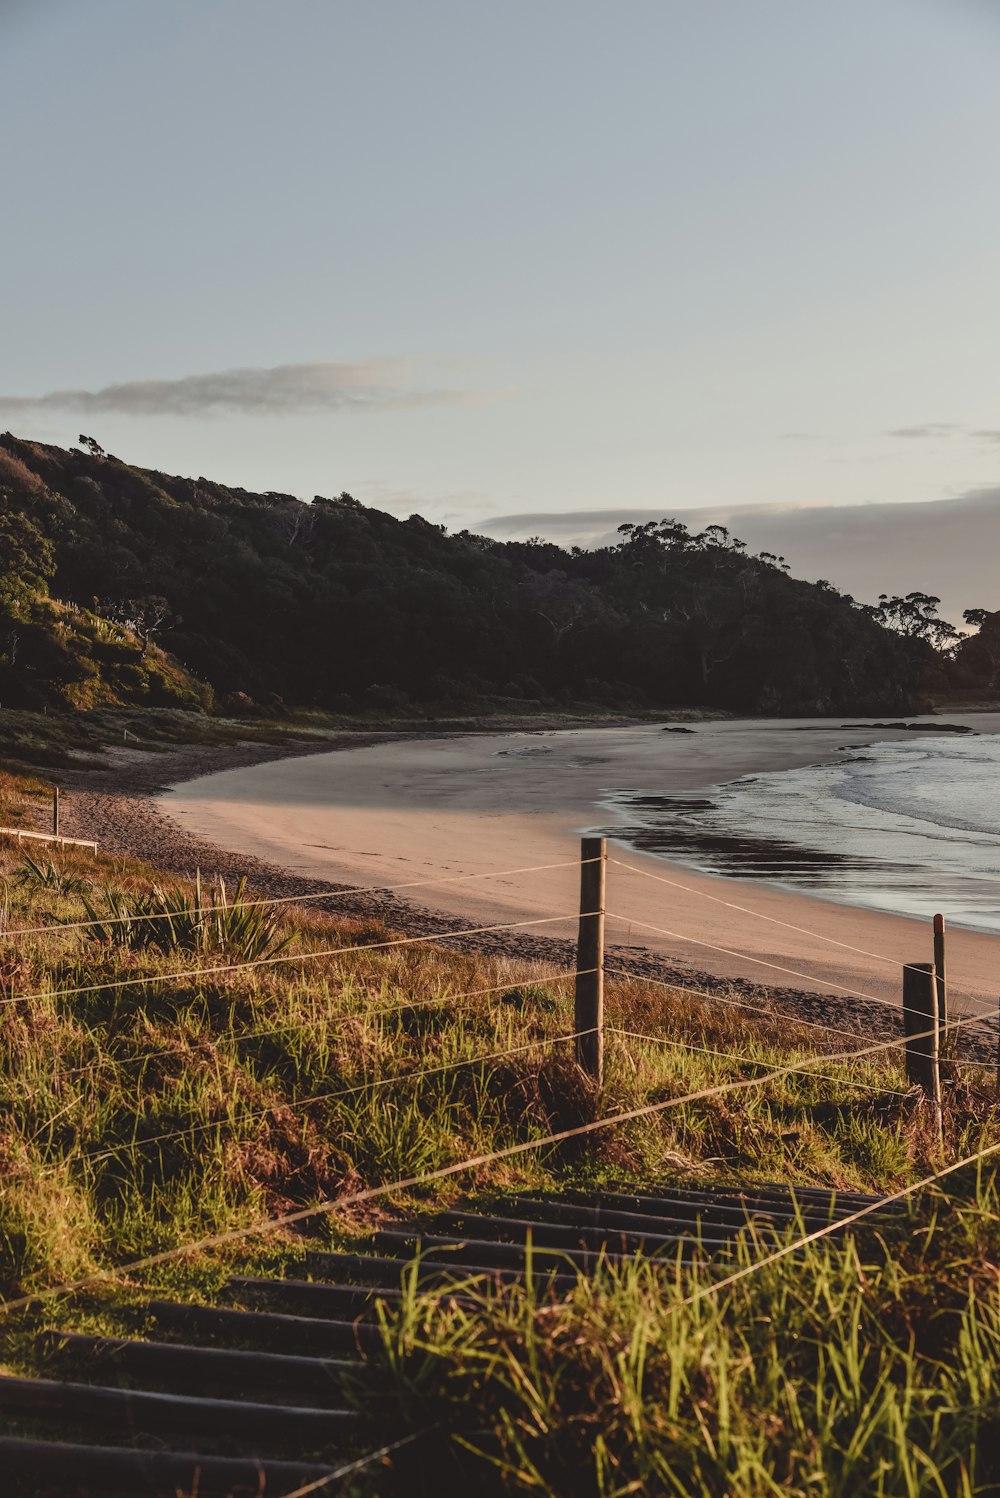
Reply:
x=457, y=811
x=121, y=807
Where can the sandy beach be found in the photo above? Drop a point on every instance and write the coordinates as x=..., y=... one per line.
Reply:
x=424, y=813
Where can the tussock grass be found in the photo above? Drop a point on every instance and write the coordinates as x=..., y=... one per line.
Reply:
x=49, y=875
x=867, y=1368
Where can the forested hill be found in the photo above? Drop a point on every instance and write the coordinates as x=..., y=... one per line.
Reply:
x=110, y=574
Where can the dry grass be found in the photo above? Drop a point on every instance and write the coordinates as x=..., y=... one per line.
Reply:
x=164, y=1110
x=138, y=1115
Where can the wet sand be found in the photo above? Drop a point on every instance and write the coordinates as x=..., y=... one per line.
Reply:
x=421, y=813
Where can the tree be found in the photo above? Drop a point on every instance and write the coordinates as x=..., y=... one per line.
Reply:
x=145, y=617
x=980, y=653
x=262, y=594
x=26, y=562
x=915, y=616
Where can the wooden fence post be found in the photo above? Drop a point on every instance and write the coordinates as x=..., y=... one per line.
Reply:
x=922, y=1030
x=589, y=1008
x=942, y=972
x=55, y=811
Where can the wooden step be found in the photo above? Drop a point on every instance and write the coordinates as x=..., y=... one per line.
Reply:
x=142, y=1410
x=83, y=1471
x=266, y=1330
x=318, y=1296
x=201, y=1367
x=547, y=1234
x=432, y=1272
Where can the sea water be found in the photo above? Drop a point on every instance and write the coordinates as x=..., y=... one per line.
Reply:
x=911, y=827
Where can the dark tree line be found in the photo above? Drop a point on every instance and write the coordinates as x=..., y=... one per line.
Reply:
x=336, y=605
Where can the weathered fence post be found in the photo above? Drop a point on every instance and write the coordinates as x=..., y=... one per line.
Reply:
x=589, y=1009
x=922, y=1030
x=941, y=970
x=55, y=811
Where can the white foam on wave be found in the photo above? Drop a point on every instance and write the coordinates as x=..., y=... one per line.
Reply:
x=949, y=785
x=909, y=827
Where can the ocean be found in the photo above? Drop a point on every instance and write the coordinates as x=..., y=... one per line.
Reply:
x=911, y=827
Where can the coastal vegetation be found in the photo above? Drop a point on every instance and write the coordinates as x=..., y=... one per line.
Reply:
x=154, y=1093
x=179, y=1061
x=121, y=585
x=868, y=1368
x=181, y=1082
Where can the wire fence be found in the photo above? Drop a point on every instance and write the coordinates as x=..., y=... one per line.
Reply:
x=58, y=927
x=370, y=1084
x=171, y=975
x=686, y=1045
x=329, y=1018
x=922, y=1034
x=419, y=1180
x=758, y=914
x=713, y=996
x=594, y=1015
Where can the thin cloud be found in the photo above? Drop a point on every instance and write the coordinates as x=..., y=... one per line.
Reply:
x=375, y=384
x=927, y=429
x=948, y=429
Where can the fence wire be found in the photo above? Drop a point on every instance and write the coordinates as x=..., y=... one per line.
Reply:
x=139, y=980
x=341, y=1016
x=274, y=900
x=685, y=1045
x=809, y=978
x=400, y=1078
x=444, y=1172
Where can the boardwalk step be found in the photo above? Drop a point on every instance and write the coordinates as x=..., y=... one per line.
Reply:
x=171, y=1362
x=344, y=1300
x=298, y=1346
x=102, y=1471
x=265, y=1330
x=431, y=1271
x=577, y=1235
x=631, y=1214
x=140, y=1409
x=491, y=1251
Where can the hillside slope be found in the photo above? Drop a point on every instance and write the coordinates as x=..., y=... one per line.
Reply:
x=334, y=605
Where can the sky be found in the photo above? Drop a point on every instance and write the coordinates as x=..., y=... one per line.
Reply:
x=483, y=260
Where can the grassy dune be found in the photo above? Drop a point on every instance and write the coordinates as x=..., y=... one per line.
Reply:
x=137, y=1117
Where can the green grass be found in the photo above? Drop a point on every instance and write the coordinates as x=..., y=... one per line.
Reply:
x=63, y=738
x=867, y=1369
x=139, y=1117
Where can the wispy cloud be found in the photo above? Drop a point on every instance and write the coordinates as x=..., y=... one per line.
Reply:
x=935, y=429
x=375, y=384
x=927, y=429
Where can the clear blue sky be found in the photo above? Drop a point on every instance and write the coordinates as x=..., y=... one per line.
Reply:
x=562, y=254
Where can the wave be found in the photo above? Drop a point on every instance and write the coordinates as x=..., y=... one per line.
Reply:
x=910, y=827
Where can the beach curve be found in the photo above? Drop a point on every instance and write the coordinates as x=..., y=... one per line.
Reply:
x=429, y=813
